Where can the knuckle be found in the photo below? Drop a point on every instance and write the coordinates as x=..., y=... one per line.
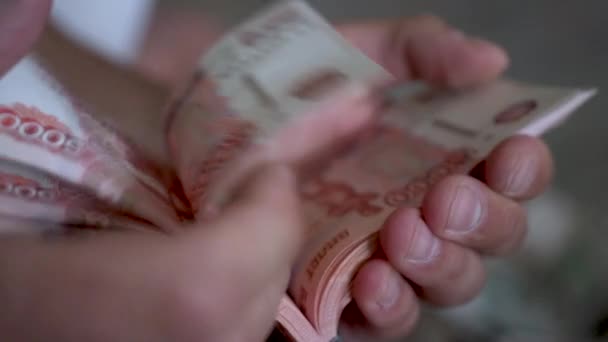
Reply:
x=501, y=232
x=456, y=207
x=397, y=237
x=453, y=267
x=443, y=193
x=520, y=167
x=446, y=268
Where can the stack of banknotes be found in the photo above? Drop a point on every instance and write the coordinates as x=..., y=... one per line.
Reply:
x=87, y=145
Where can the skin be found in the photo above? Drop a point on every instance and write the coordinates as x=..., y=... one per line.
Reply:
x=146, y=287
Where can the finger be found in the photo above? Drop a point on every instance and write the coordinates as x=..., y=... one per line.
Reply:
x=520, y=168
x=291, y=143
x=252, y=244
x=464, y=210
x=386, y=301
x=443, y=272
x=426, y=48
x=335, y=120
x=21, y=22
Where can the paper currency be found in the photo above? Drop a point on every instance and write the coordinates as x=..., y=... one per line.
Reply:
x=44, y=127
x=29, y=194
x=268, y=81
x=285, y=60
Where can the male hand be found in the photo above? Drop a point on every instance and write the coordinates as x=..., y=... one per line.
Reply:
x=433, y=253
x=221, y=281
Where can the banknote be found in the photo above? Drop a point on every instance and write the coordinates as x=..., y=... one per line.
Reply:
x=121, y=100
x=43, y=126
x=29, y=194
x=281, y=73
x=286, y=59
x=15, y=226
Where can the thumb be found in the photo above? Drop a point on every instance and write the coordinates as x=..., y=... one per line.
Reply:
x=246, y=254
x=428, y=49
x=21, y=22
x=262, y=229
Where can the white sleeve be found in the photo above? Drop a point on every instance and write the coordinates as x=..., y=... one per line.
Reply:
x=113, y=28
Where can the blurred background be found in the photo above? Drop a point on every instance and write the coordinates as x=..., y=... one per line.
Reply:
x=555, y=288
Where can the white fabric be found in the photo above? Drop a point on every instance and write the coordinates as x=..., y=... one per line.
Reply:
x=113, y=28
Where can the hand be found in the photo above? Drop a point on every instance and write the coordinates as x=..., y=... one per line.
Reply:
x=432, y=253
x=220, y=282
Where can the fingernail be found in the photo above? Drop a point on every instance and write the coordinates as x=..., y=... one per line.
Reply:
x=424, y=246
x=465, y=211
x=390, y=294
x=520, y=180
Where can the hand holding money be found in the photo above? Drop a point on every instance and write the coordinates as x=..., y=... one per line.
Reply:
x=425, y=48
x=402, y=160
x=147, y=287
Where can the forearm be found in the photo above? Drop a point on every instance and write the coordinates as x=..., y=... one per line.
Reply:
x=19, y=262
x=95, y=290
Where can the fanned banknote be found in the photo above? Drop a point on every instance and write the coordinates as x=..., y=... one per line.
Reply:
x=69, y=157
x=43, y=126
